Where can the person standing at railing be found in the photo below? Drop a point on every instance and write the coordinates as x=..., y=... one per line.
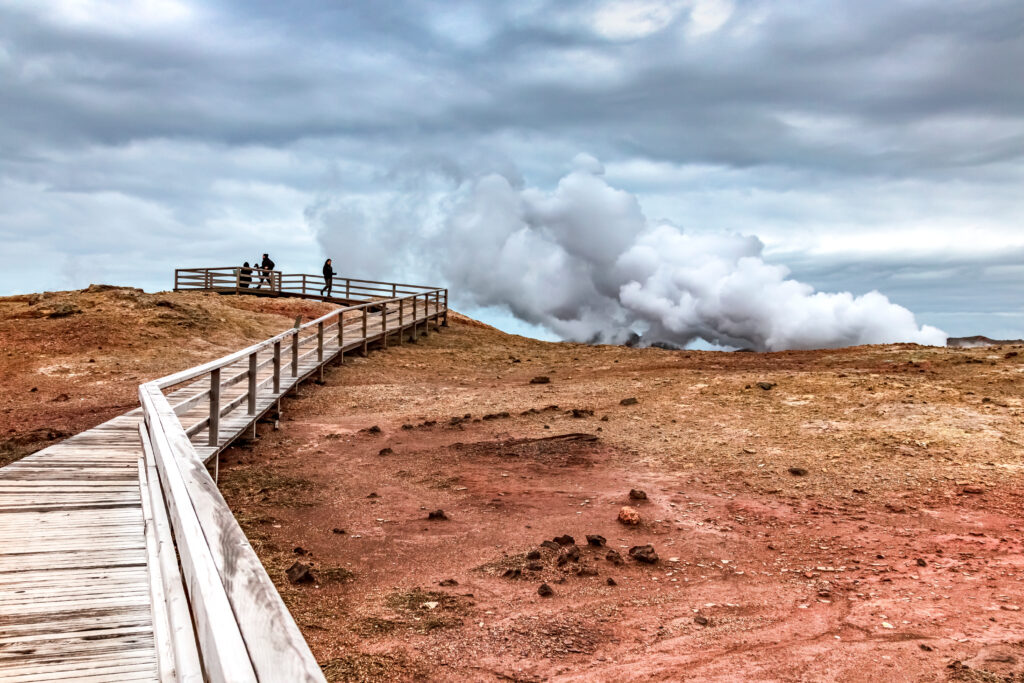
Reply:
x=328, y=278
x=265, y=276
x=245, y=276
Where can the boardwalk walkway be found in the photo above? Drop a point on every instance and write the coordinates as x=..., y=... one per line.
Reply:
x=107, y=546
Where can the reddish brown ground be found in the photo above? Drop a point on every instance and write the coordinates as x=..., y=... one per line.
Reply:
x=71, y=360
x=878, y=564
x=797, y=577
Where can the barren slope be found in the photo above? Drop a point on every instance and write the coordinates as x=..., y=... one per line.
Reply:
x=858, y=519
x=71, y=360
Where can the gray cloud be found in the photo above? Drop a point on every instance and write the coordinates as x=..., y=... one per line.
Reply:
x=138, y=135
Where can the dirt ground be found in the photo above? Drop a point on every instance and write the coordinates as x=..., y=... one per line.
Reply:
x=850, y=515
x=72, y=360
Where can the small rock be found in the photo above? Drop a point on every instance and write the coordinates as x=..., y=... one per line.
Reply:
x=926, y=648
x=582, y=412
x=299, y=550
x=430, y=605
x=572, y=553
x=533, y=555
x=701, y=620
x=385, y=451
x=767, y=386
x=513, y=573
x=541, y=379
x=596, y=540
x=628, y=515
x=631, y=401
x=545, y=590
x=611, y=582
x=534, y=566
x=300, y=572
x=614, y=557
x=643, y=553
x=373, y=430
x=974, y=489
x=407, y=426
x=373, y=495
x=921, y=562
x=448, y=582
x=437, y=514
x=551, y=545
x=637, y=494
x=565, y=540
x=798, y=471
x=586, y=570
x=336, y=530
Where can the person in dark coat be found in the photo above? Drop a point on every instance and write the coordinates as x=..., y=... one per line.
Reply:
x=266, y=266
x=245, y=275
x=328, y=278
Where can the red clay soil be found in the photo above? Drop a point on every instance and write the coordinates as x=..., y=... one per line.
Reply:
x=72, y=360
x=856, y=517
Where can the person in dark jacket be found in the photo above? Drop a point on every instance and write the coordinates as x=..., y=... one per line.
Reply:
x=328, y=278
x=245, y=275
x=266, y=266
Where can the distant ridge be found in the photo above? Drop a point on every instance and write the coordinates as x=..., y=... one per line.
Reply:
x=980, y=341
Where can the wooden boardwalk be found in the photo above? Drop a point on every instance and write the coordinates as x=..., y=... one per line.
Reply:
x=90, y=583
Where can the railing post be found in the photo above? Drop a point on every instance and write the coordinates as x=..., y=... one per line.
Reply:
x=348, y=288
x=303, y=283
x=320, y=349
x=401, y=319
x=295, y=353
x=214, y=407
x=412, y=334
x=238, y=279
x=341, y=338
x=365, y=308
x=384, y=324
x=394, y=290
x=426, y=314
x=437, y=310
x=445, y=323
x=277, y=367
x=252, y=383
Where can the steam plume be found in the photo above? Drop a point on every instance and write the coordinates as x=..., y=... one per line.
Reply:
x=584, y=262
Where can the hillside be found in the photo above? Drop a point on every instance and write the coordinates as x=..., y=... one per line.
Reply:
x=848, y=514
x=71, y=360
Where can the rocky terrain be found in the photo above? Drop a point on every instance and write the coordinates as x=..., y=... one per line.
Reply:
x=479, y=506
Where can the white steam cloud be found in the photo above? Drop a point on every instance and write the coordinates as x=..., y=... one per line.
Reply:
x=585, y=263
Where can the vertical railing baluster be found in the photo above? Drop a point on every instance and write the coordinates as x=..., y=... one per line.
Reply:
x=295, y=353
x=365, y=308
x=252, y=383
x=214, y=407
x=445, y=323
x=341, y=338
x=384, y=324
x=277, y=367
x=401, y=319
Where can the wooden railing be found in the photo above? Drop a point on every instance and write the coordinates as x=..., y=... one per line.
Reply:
x=236, y=280
x=236, y=627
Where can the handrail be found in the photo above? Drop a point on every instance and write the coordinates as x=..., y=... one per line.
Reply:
x=242, y=627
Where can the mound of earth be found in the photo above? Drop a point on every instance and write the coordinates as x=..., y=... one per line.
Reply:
x=71, y=360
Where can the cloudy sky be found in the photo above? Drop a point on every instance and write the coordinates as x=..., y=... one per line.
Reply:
x=867, y=145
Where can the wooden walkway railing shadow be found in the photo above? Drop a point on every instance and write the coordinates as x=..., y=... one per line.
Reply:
x=120, y=560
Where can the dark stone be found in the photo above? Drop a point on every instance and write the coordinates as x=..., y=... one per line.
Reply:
x=611, y=582
x=497, y=416
x=637, y=494
x=533, y=555
x=921, y=562
x=614, y=557
x=437, y=514
x=545, y=590
x=767, y=385
x=407, y=426
x=535, y=566
x=565, y=540
x=582, y=412
x=299, y=550
x=701, y=620
x=596, y=540
x=798, y=471
x=643, y=553
x=628, y=401
x=336, y=530
x=513, y=573
x=373, y=495
x=551, y=545
x=448, y=582
x=385, y=451
x=562, y=560
x=586, y=570
x=572, y=553
x=374, y=430
x=300, y=572
x=926, y=648
x=540, y=379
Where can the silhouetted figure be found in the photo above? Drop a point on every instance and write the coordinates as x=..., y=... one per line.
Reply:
x=265, y=267
x=328, y=278
x=245, y=275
